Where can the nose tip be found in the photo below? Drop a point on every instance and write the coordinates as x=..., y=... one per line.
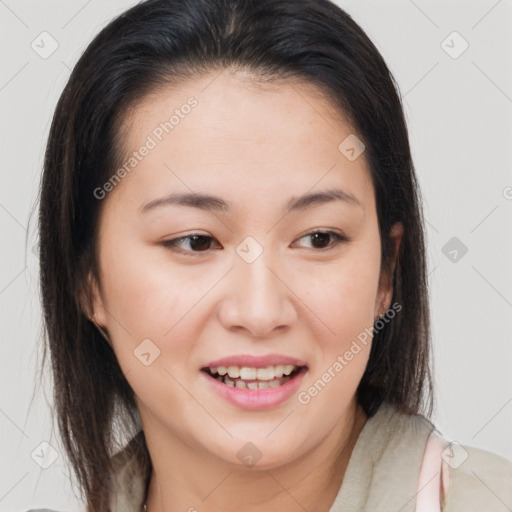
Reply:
x=257, y=300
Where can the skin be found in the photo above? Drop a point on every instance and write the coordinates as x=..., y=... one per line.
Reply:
x=256, y=147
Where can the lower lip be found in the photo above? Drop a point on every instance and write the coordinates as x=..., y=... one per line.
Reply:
x=258, y=398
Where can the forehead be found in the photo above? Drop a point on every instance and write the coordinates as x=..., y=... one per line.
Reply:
x=224, y=130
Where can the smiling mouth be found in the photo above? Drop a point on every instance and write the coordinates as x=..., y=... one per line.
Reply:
x=254, y=378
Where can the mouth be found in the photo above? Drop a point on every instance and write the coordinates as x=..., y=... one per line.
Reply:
x=252, y=378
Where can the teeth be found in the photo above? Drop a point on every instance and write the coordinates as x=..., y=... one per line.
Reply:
x=288, y=368
x=246, y=377
x=253, y=384
x=265, y=373
x=233, y=372
x=247, y=373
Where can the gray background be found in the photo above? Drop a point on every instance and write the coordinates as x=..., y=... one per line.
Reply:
x=459, y=112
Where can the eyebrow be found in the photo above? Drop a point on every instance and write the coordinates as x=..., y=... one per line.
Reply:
x=214, y=203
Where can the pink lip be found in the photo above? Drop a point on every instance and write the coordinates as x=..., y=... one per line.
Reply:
x=258, y=398
x=255, y=362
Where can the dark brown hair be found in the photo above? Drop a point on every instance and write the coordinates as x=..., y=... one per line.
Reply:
x=160, y=42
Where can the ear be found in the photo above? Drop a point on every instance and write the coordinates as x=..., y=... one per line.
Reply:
x=385, y=294
x=92, y=302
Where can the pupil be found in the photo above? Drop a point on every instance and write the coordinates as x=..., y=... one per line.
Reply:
x=316, y=236
x=201, y=238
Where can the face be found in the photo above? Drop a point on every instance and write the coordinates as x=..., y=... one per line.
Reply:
x=260, y=280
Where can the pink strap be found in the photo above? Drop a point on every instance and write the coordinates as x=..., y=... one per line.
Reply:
x=434, y=475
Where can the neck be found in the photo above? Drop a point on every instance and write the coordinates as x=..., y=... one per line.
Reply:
x=183, y=479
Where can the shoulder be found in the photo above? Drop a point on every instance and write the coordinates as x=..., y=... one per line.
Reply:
x=132, y=468
x=131, y=471
x=392, y=438
x=479, y=480
x=393, y=430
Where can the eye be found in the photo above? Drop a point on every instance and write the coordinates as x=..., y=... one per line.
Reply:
x=197, y=243
x=321, y=238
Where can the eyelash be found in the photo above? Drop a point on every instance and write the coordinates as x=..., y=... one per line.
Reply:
x=171, y=244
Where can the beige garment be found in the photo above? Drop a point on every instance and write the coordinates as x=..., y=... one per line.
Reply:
x=382, y=474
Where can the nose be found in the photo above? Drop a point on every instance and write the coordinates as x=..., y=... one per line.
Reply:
x=258, y=298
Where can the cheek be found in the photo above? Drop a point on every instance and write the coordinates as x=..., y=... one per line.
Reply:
x=342, y=295
x=147, y=299
x=146, y=290
x=343, y=300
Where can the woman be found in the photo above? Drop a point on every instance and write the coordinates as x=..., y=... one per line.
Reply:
x=233, y=271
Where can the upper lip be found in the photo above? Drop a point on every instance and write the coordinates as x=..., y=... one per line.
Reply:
x=255, y=361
